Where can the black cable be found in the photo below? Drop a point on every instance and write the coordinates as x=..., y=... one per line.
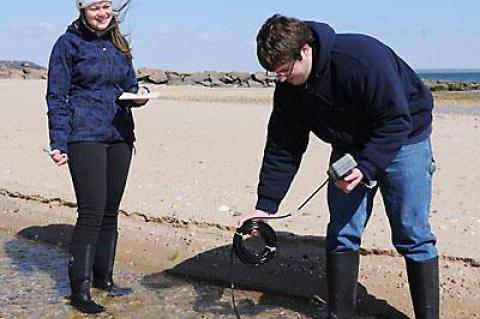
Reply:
x=232, y=284
x=264, y=232
x=313, y=194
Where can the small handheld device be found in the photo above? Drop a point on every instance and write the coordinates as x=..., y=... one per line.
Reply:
x=342, y=167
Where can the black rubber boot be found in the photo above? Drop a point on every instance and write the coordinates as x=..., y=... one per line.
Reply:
x=103, y=266
x=79, y=272
x=342, y=276
x=423, y=281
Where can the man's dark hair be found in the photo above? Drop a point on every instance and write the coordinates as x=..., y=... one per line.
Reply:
x=280, y=40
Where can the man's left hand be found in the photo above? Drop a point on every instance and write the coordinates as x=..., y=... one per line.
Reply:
x=349, y=182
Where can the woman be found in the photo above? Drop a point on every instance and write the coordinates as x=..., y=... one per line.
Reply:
x=90, y=67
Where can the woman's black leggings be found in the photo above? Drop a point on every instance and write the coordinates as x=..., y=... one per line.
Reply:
x=99, y=174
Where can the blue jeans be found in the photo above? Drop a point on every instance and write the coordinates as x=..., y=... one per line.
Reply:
x=406, y=188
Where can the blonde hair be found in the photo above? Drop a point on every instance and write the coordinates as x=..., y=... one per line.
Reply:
x=119, y=40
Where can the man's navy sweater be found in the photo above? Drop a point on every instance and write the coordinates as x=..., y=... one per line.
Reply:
x=360, y=98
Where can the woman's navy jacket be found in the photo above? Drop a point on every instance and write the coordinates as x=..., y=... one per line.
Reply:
x=360, y=98
x=86, y=76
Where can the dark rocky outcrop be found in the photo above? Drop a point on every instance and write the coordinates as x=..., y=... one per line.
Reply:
x=152, y=75
x=21, y=70
x=259, y=79
x=29, y=70
x=207, y=78
x=442, y=85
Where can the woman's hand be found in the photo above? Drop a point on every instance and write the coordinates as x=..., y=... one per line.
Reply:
x=141, y=102
x=58, y=157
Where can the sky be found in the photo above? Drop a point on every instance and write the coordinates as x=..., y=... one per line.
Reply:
x=194, y=35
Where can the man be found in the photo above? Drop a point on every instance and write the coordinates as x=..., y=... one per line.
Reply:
x=355, y=93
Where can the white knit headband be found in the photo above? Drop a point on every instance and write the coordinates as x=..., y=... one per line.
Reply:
x=82, y=4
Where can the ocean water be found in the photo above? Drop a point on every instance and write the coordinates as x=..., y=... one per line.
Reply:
x=456, y=76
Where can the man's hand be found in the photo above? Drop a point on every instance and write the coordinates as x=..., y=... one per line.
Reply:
x=257, y=215
x=349, y=182
x=58, y=157
x=141, y=102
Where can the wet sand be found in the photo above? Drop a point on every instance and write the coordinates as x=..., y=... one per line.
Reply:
x=151, y=252
x=196, y=168
x=35, y=285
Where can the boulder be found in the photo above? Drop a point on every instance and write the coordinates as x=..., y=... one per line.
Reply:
x=239, y=77
x=4, y=74
x=254, y=84
x=260, y=77
x=218, y=83
x=174, y=78
x=438, y=87
x=216, y=76
x=154, y=76
x=16, y=74
x=34, y=74
x=199, y=77
x=228, y=80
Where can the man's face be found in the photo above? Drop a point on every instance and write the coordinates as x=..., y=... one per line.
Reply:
x=296, y=72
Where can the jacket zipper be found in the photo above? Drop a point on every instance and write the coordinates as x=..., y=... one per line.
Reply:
x=107, y=82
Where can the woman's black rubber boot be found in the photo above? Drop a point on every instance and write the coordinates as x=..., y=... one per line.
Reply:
x=79, y=272
x=103, y=266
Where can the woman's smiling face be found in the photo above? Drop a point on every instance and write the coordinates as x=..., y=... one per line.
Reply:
x=99, y=15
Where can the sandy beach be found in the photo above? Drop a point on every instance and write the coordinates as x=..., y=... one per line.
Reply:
x=198, y=154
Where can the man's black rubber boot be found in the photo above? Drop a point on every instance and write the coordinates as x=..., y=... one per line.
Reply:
x=342, y=276
x=423, y=281
x=79, y=272
x=103, y=266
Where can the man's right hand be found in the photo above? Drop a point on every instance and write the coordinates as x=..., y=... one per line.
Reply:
x=257, y=215
x=58, y=157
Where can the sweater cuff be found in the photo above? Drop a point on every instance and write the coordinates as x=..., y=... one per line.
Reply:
x=268, y=205
x=369, y=172
x=62, y=147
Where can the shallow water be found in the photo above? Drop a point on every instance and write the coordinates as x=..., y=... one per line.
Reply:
x=34, y=284
x=456, y=110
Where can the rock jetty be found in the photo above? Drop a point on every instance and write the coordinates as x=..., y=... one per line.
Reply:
x=22, y=70
x=28, y=70
x=207, y=78
x=442, y=85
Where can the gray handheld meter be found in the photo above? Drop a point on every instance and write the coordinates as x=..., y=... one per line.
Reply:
x=342, y=167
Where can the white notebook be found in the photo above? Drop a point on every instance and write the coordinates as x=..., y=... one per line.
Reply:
x=134, y=96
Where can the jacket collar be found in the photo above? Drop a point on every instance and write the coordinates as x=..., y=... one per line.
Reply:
x=81, y=28
x=319, y=82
